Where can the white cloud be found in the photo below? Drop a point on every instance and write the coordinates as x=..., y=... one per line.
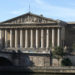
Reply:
x=48, y=10
x=55, y=10
x=39, y=1
x=17, y=12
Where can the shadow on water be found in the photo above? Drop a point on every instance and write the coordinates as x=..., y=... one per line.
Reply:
x=11, y=73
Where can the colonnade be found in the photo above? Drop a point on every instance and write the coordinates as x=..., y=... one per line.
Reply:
x=31, y=38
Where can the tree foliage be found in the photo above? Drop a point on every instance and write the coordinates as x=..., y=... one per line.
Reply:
x=66, y=62
x=58, y=51
x=73, y=46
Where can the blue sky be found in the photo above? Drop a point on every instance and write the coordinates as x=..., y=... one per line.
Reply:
x=55, y=9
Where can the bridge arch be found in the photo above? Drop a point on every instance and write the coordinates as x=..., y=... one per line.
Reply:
x=5, y=62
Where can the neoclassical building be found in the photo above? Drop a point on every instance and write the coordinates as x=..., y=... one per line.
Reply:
x=30, y=31
x=35, y=34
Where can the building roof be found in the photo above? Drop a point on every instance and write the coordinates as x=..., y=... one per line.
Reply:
x=29, y=18
x=70, y=22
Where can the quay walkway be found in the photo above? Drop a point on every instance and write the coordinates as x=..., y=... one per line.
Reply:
x=38, y=69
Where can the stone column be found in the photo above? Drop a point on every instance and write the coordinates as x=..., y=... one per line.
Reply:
x=58, y=37
x=21, y=38
x=6, y=39
x=53, y=33
x=31, y=39
x=11, y=38
x=42, y=38
x=26, y=38
x=16, y=38
x=0, y=38
x=47, y=38
x=37, y=38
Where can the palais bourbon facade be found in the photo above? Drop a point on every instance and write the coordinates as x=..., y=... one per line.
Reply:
x=35, y=36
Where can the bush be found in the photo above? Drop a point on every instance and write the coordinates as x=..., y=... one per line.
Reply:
x=66, y=62
x=73, y=46
x=58, y=51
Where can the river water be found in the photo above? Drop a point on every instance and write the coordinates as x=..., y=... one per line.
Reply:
x=32, y=74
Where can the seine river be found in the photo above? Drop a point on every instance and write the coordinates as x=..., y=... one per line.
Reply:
x=31, y=74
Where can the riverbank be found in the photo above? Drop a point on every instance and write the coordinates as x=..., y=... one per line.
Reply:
x=39, y=69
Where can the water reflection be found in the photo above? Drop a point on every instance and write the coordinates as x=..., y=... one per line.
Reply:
x=32, y=74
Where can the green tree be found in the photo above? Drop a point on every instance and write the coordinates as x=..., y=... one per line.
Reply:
x=73, y=46
x=58, y=53
x=66, y=62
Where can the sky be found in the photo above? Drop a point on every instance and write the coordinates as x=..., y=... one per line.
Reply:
x=56, y=9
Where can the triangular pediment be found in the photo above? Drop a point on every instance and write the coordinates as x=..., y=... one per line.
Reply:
x=29, y=18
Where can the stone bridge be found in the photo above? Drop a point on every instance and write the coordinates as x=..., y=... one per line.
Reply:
x=24, y=59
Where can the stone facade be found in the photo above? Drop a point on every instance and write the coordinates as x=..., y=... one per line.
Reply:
x=30, y=31
x=35, y=34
